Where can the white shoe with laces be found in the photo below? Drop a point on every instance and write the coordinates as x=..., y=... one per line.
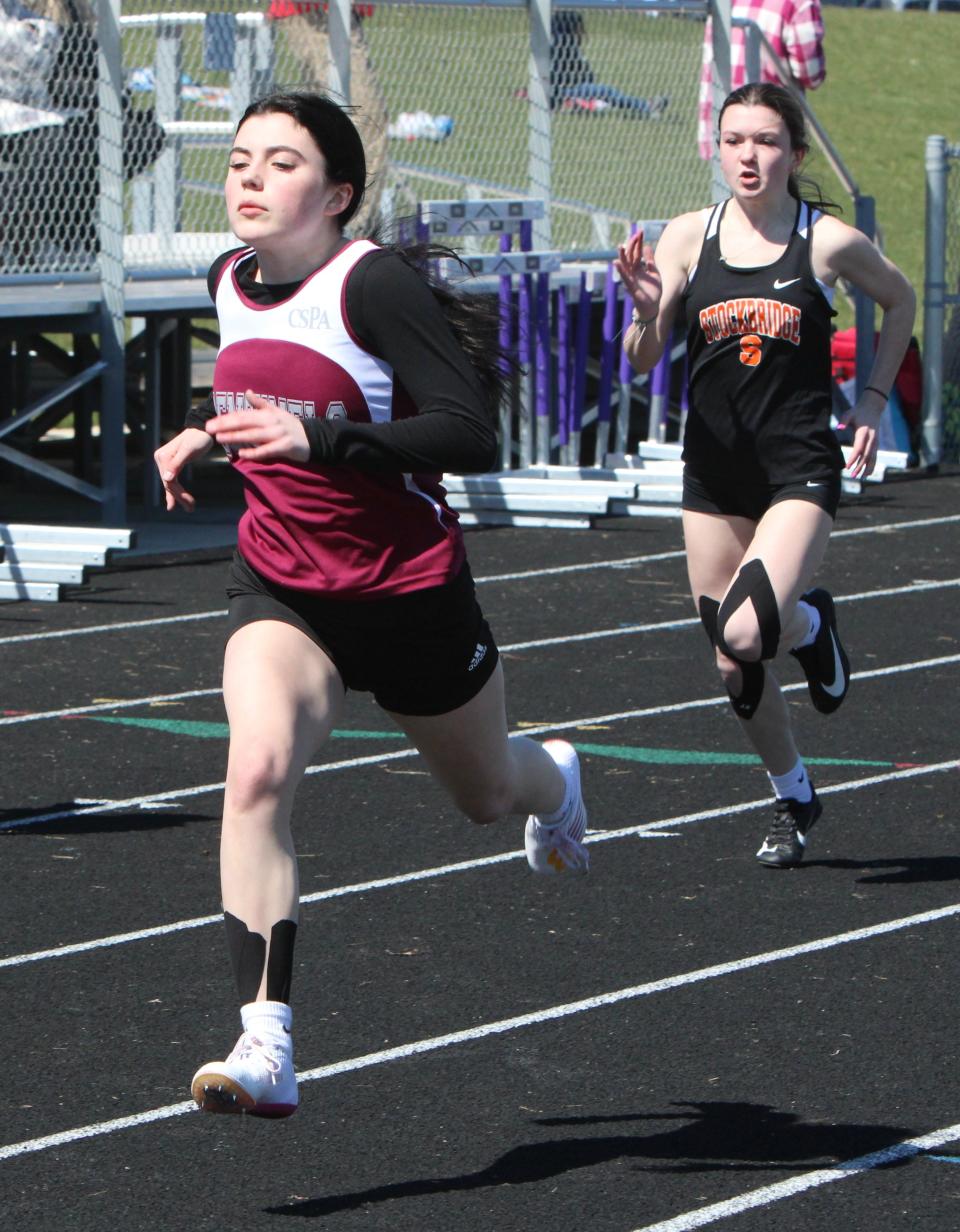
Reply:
x=257, y=1077
x=559, y=848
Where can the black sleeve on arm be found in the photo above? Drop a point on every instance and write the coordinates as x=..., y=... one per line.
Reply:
x=198, y=415
x=397, y=318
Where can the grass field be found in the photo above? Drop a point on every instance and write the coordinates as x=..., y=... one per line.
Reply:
x=891, y=83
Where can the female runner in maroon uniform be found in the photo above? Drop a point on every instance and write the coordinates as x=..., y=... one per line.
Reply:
x=342, y=390
x=754, y=276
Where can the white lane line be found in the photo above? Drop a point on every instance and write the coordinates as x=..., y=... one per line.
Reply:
x=373, y=759
x=705, y=1215
x=152, y=623
x=96, y=707
x=663, y=626
x=646, y=829
x=890, y=527
x=623, y=562
x=519, y=1022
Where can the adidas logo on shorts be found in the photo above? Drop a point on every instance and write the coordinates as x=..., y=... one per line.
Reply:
x=478, y=656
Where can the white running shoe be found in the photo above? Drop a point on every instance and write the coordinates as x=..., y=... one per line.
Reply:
x=257, y=1077
x=559, y=848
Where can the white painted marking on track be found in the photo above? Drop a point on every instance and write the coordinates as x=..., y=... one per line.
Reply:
x=764, y=1196
x=663, y=626
x=620, y=563
x=120, y=625
x=373, y=759
x=95, y=1131
x=505, y=1025
x=646, y=829
x=99, y=707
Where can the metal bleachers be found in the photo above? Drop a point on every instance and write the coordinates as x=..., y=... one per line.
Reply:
x=37, y=560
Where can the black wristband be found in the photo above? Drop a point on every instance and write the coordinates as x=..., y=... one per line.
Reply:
x=873, y=389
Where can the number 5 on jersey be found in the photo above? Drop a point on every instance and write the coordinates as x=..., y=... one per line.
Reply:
x=751, y=350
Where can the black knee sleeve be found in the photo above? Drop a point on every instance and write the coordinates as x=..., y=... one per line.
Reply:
x=708, y=609
x=248, y=953
x=753, y=583
x=752, y=675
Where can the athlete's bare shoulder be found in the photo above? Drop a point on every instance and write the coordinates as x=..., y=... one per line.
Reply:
x=682, y=239
x=832, y=238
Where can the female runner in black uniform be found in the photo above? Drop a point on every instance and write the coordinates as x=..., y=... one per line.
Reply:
x=761, y=485
x=342, y=390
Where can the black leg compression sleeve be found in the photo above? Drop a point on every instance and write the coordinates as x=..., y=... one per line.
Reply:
x=248, y=953
x=752, y=583
x=752, y=674
x=280, y=963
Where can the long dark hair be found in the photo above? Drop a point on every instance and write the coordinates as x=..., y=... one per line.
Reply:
x=474, y=319
x=784, y=102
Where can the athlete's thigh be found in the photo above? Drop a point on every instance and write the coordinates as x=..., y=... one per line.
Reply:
x=467, y=747
x=791, y=539
x=715, y=546
x=281, y=691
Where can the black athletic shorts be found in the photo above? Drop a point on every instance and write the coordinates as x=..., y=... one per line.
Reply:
x=713, y=494
x=424, y=653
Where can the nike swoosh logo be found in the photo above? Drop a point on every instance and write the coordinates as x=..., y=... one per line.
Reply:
x=778, y=285
x=836, y=688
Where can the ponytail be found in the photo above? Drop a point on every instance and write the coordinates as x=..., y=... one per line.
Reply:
x=474, y=318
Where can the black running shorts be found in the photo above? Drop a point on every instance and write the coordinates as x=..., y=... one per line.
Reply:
x=422, y=653
x=712, y=494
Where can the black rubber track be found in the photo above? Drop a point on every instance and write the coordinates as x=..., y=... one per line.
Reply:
x=681, y=1030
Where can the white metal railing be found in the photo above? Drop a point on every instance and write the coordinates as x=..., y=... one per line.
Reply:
x=258, y=58
x=937, y=294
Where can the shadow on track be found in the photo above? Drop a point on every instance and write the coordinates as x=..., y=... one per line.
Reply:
x=909, y=870
x=715, y=1136
x=94, y=823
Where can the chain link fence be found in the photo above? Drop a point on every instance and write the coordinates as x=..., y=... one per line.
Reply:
x=616, y=128
x=455, y=100
x=49, y=137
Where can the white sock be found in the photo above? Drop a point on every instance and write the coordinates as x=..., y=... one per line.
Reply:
x=794, y=785
x=549, y=820
x=813, y=615
x=273, y=1019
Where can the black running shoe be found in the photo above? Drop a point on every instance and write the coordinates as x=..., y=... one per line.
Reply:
x=787, y=837
x=824, y=661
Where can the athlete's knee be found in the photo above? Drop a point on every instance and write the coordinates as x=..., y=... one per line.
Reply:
x=742, y=678
x=730, y=671
x=256, y=775
x=747, y=637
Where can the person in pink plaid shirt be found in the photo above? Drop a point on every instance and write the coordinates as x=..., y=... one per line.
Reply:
x=794, y=29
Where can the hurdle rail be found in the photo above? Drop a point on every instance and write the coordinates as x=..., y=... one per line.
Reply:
x=578, y=395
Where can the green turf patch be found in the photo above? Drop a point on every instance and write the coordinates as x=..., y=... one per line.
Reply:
x=691, y=757
x=220, y=731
